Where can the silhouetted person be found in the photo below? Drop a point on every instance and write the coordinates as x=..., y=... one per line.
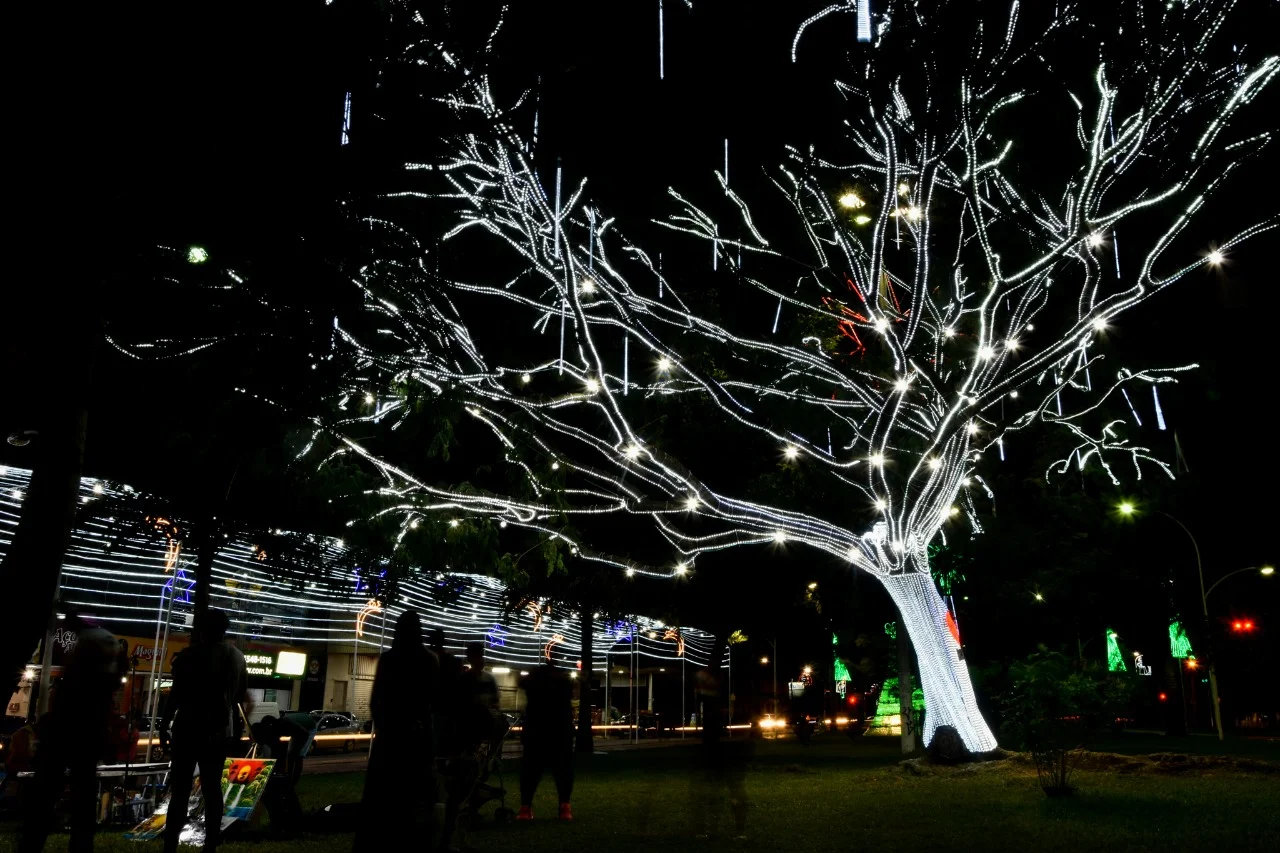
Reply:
x=445, y=709
x=547, y=737
x=209, y=681
x=281, y=797
x=724, y=762
x=300, y=729
x=477, y=699
x=474, y=701
x=401, y=761
x=71, y=737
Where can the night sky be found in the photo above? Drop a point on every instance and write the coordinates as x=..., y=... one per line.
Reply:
x=218, y=123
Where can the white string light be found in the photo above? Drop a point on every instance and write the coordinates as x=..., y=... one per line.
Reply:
x=121, y=578
x=937, y=313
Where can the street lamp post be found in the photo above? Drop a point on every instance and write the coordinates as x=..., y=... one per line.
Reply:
x=1128, y=509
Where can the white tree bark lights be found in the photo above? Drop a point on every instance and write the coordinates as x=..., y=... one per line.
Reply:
x=985, y=299
x=1006, y=292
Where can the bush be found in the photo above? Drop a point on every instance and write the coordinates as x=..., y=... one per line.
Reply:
x=1052, y=708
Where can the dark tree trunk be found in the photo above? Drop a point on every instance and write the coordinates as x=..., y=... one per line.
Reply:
x=585, y=740
x=33, y=564
x=209, y=541
x=906, y=705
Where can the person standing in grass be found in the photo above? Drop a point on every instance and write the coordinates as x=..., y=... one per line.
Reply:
x=401, y=762
x=71, y=737
x=209, y=680
x=547, y=737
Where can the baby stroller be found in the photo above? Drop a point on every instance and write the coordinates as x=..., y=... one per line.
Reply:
x=468, y=779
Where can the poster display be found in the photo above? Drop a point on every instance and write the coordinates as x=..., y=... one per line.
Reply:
x=244, y=781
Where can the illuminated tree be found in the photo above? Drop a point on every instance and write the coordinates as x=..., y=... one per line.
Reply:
x=966, y=273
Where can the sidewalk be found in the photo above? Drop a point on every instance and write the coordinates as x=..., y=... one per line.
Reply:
x=328, y=762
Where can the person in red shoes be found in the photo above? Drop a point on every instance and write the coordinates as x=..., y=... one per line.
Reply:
x=547, y=737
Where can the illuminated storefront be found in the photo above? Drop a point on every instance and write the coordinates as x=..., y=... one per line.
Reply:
x=316, y=646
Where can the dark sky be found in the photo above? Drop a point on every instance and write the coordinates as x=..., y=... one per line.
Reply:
x=218, y=123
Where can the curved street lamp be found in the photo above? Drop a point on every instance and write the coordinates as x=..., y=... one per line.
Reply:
x=1128, y=509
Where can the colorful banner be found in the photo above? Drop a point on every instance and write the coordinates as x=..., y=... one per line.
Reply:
x=146, y=650
x=244, y=781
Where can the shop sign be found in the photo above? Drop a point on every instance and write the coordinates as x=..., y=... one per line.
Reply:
x=282, y=664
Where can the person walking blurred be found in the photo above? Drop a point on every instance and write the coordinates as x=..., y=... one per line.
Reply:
x=547, y=737
x=71, y=737
x=723, y=762
x=209, y=682
x=401, y=763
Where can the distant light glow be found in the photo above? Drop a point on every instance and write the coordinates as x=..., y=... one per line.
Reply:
x=197, y=255
x=851, y=201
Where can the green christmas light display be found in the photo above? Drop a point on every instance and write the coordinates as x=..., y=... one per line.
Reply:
x=888, y=718
x=1179, y=644
x=1115, y=660
x=840, y=670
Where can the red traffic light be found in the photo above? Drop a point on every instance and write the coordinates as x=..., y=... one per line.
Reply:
x=1164, y=696
x=1242, y=625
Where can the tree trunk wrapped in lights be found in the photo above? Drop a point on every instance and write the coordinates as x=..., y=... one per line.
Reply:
x=968, y=278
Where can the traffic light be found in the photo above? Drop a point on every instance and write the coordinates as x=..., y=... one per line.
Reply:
x=1242, y=626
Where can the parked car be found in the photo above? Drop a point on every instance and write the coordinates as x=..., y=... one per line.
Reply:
x=349, y=715
x=329, y=731
x=260, y=710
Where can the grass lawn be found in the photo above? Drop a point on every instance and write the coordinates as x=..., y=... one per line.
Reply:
x=841, y=795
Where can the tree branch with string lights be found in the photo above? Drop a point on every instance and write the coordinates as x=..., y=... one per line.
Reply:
x=955, y=249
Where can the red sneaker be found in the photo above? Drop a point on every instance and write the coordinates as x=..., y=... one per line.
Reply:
x=525, y=813
x=566, y=811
